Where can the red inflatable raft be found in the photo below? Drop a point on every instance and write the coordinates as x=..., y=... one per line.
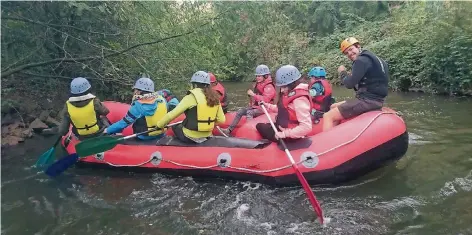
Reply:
x=347, y=151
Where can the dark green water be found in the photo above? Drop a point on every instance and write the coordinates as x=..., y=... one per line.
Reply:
x=428, y=191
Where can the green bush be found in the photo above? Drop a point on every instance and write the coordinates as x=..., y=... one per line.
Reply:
x=428, y=46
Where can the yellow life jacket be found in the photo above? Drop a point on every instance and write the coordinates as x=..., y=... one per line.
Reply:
x=84, y=119
x=149, y=122
x=200, y=117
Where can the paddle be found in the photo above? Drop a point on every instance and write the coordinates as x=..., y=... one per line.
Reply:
x=306, y=186
x=61, y=165
x=91, y=148
x=46, y=158
x=104, y=143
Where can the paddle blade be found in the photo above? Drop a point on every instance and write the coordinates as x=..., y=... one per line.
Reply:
x=45, y=159
x=61, y=165
x=96, y=145
x=310, y=194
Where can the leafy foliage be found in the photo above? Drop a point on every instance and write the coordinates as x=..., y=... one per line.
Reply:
x=44, y=44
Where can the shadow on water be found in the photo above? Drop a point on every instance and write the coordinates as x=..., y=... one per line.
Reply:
x=428, y=191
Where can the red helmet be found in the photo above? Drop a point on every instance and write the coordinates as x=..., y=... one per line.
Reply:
x=212, y=77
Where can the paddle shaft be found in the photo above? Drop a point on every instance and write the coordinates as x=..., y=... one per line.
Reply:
x=57, y=141
x=151, y=130
x=303, y=181
x=45, y=158
x=64, y=163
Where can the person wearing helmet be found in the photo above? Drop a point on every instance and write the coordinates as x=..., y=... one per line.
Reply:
x=218, y=87
x=293, y=119
x=320, y=90
x=263, y=90
x=202, y=110
x=171, y=99
x=369, y=78
x=146, y=109
x=83, y=110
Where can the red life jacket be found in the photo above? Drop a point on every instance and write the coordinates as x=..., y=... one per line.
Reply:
x=259, y=89
x=287, y=116
x=223, y=98
x=322, y=102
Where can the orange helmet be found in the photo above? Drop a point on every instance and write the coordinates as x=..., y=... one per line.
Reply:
x=348, y=42
x=212, y=77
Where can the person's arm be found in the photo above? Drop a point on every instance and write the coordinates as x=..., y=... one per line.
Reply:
x=131, y=116
x=359, y=69
x=220, y=116
x=267, y=95
x=65, y=122
x=302, y=110
x=271, y=107
x=187, y=102
x=100, y=108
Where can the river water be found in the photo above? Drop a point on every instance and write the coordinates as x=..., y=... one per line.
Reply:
x=428, y=191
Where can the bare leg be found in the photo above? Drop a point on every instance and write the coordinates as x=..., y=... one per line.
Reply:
x=331, y=118
x=226, y=132
x=336, y=104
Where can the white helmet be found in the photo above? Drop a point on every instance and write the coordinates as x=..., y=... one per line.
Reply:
x=201, y=77
x=286, y=75
x=262, y=70
x=79, y=85
x=144, y=84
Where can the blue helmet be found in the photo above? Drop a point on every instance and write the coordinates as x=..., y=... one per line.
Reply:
x=317, y=72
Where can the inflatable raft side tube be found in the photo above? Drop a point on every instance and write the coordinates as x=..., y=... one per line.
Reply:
x=350, y=170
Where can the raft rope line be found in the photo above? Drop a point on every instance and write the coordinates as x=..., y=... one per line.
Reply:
x=252, y=170
x=133, y=165
x=357, y=136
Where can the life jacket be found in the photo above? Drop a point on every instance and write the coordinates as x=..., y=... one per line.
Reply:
x=223, y=97
x=322, y=102
x=145, y=123
x=84, y=119
x=200, y=117
x=259, y=89
x=287, y=116
x=167, y=95
x=374, y=85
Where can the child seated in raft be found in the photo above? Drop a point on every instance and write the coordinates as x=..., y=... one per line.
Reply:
x=264, y=90
x=202, y=110
x=147, y=108
x=218, y=87
x=171, y=99
x=83, y=110
x=293, y=120
x=320, y=92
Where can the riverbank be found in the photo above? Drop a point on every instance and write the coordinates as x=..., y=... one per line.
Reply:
x=23, y=117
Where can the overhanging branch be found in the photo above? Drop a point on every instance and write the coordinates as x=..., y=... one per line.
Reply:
x=81, y=59
x=57, y=25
